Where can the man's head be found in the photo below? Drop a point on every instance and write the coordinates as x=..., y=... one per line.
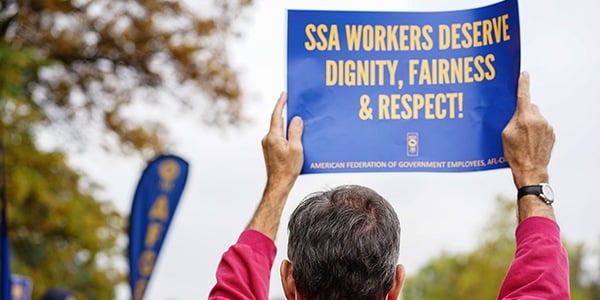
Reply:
x=343, y=244
x=55, y=293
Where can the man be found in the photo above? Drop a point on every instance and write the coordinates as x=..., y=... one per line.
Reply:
x=343, y=244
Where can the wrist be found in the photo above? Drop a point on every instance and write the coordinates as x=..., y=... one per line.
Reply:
x=534, y=206
x=533, y=177
x=268, y=214
x=280, y=181
x=278, y=186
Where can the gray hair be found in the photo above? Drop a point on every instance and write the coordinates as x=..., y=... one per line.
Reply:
x=344, y=244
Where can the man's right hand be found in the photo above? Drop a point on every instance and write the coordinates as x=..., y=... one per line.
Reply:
x=283, y=157
x=283, y=160
x=528, y=139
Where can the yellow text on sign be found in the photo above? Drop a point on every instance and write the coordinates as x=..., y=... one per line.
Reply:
x=428, y=106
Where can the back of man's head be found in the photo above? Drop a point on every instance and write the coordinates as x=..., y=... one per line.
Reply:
x=344, y=244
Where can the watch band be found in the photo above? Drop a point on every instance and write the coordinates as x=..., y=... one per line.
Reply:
x=542, y=190
x=529, y=190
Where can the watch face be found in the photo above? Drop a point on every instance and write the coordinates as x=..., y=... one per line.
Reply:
x=548, y=192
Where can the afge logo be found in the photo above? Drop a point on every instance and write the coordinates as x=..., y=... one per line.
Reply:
x=412, y=144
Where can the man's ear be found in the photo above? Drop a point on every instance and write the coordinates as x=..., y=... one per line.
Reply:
x=287, y=280
x=398, y=282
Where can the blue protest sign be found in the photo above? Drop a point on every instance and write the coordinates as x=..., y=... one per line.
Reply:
x=403, y=91
x=156, y=198
x=21, y=287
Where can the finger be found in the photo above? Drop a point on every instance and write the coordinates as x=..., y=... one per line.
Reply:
x=295, y=130
x=276, y=117
x=523, y=96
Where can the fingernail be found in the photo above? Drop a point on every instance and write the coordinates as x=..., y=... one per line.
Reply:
x=525, y=74
x=296, y=121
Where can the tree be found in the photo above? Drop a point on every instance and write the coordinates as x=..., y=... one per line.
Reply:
x=478, y=274
x=104, y=55
x=59, y=233
x=71, y=63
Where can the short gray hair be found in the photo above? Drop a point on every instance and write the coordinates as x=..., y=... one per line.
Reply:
x=344, y=244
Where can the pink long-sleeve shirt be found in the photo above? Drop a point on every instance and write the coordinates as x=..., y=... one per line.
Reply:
x=539, y=270
x=245, y=268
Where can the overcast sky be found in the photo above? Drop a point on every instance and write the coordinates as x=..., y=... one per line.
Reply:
x=438, y=212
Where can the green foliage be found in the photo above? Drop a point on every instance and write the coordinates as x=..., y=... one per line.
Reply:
x=585, y=284
x=106, y=55
x=478, y=274
x=59, y=233
x=17, y=68
x=75, y=64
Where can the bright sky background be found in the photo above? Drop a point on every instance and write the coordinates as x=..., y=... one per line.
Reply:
x=438, y=212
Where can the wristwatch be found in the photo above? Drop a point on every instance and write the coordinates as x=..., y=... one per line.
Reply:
x=542, y=190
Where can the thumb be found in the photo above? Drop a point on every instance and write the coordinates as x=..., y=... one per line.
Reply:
x=295, y=130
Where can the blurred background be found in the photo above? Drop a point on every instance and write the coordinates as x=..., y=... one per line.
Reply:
x=91, y=90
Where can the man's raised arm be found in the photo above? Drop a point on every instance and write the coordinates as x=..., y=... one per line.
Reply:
x=540, y=268
x=245, y=268
x=283, y=160
x=528, y=140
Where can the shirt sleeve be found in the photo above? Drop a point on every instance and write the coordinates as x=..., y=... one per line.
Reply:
x=540, y=268
x=245, y=268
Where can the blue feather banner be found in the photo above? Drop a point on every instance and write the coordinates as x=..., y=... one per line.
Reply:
x=156, y=198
